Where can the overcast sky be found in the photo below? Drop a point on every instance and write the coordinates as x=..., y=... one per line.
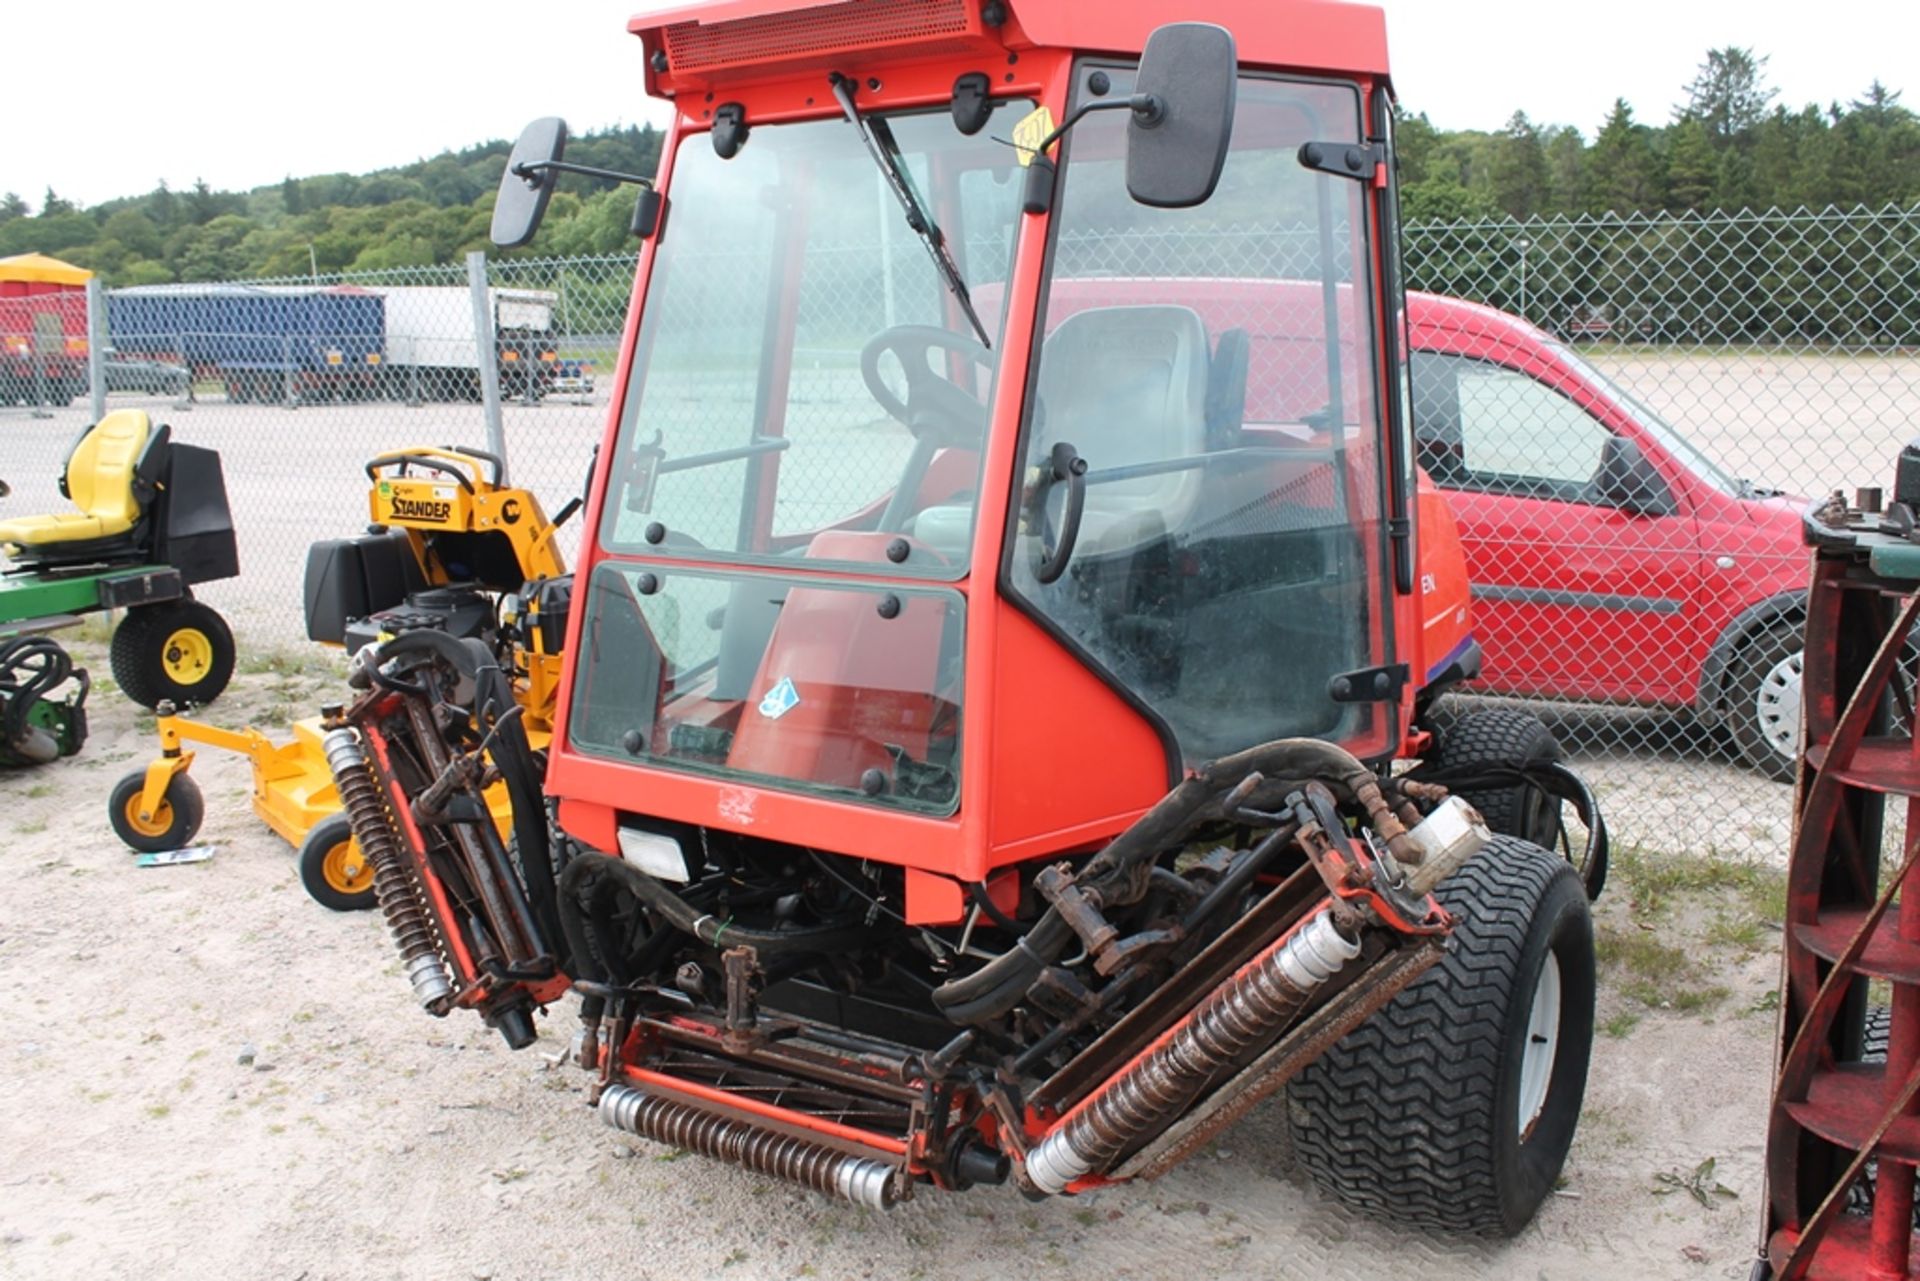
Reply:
x=104, y=97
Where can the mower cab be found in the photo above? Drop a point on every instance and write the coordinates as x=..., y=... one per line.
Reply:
x=1006, y=586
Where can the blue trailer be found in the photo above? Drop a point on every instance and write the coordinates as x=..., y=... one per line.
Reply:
x=273, y=343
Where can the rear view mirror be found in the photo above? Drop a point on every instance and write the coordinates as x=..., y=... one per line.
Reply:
x=1177, y=145
x=528, y=182
x=1627, y=480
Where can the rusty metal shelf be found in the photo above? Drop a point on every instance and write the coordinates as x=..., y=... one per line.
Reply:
x=1843, y=1105
x=1887, y=956
x=1885, y=765
x=1847, y=1241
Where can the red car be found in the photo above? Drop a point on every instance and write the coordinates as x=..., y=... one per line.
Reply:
x=1611, y=561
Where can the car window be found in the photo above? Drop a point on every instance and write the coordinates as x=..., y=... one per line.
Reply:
x=1483, y=426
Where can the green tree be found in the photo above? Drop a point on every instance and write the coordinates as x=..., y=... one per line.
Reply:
x=1691, y=165
x=1625, y=173
x=1567, y=171
x=12, y=206
x=1728, y=94
x=1518, y=168
x=53, y=205
x=136, y=231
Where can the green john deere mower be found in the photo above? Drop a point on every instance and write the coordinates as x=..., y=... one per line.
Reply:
x=150, y=521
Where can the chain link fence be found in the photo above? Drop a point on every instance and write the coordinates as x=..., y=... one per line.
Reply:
x=1628, y=491
x=1624, y=476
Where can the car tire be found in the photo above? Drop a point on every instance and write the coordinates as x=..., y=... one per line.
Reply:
x=1417, y=1114
x=181, y=652
x=1504, y=736
x=1762, y=703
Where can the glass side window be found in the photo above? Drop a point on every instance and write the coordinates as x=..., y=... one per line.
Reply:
x=802, y=367
x=1215, y=368
x=1483, y=426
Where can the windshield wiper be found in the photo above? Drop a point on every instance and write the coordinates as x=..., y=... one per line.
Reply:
x=886, y=153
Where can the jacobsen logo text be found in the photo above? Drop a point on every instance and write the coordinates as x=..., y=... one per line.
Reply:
x=413, y=509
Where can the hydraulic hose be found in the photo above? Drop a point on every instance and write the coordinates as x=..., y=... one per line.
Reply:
x=1284, y=766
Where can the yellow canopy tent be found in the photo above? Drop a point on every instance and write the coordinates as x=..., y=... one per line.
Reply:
x=38, y=269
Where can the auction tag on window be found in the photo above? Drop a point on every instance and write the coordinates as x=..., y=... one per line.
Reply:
x=1030, y=133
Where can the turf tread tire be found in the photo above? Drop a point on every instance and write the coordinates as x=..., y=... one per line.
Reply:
x=1504, y=736
x=138, y=664
x=1403, y=1117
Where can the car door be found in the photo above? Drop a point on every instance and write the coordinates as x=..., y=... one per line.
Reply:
x=1575, y=594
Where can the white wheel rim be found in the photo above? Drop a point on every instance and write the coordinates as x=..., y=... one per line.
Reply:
x=1777, y=706
x=1543, y=1040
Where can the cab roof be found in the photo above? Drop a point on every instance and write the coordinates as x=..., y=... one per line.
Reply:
x=735, y=39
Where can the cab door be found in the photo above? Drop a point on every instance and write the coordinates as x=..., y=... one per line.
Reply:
x=1578, y=590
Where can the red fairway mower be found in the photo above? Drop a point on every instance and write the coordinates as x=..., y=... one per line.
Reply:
x=1008, y=589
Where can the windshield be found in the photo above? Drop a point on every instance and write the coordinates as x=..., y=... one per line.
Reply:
x=1655, y=426
x=803, y=369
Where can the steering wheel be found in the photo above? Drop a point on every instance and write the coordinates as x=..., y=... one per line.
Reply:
x=935, y=410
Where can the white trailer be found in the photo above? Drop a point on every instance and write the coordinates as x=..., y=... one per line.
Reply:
x=432, y=352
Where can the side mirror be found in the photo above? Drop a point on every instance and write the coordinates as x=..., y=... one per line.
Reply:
x=528, y=182
x=1628, y=481
x=1177, y=144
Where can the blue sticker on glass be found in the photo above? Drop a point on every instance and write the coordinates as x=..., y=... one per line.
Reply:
x=780, y=700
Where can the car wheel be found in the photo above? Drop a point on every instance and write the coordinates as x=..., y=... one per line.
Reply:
x=1763, y=701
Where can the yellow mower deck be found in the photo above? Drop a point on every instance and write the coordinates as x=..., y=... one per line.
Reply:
x=293, y=790
x=292, y=787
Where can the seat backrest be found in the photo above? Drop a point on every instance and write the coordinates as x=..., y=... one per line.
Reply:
x=1127, y=385
x=100, y=470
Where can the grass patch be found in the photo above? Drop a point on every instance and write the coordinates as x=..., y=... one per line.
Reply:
x=1654, y=973
x=1654, y=881
x=1620, y=1025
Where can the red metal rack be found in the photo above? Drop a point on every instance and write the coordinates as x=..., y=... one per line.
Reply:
x=1834, y=1111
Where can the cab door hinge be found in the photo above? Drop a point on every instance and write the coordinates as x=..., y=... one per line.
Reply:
x=1370, y=684
x=1360, y=161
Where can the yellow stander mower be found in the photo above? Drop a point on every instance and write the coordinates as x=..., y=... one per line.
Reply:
x=453, y=551
x=149, y=522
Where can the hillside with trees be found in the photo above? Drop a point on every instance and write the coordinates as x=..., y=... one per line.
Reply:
x=428, y=212
x=1729, y=144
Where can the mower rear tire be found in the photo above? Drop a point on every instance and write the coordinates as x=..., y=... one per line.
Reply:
x=1454, y=1106
x=332, y=869
x=180, y=652
x=173, y=824
x=1505, y=736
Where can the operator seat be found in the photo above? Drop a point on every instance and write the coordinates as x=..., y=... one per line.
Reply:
x=1124, y=385
x=1128, y=385
x=112, y=475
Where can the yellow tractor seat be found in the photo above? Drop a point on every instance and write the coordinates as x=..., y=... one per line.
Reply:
x=105, y=479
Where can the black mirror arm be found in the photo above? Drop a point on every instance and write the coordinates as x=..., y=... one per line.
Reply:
x=531, y=172
x=1147, y=109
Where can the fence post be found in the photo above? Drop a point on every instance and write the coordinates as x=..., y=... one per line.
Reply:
x=486, y=352
x=96, y=347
